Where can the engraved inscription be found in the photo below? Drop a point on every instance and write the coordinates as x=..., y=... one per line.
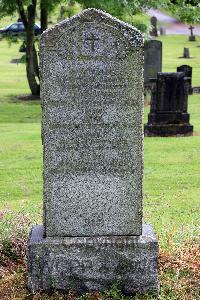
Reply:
x=67, y=265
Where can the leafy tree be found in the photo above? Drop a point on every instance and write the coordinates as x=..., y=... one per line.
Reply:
x=27, y=11
x=120, y=8
x=188, y=11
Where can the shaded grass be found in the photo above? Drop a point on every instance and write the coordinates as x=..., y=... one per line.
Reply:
x=171, y=186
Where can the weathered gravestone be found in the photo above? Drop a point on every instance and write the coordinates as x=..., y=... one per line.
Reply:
x=187, y=70
x=186, y=53
x=154, y=30
x=152, y=60
x=92, y=101
x=169, y=100
x=163, y=30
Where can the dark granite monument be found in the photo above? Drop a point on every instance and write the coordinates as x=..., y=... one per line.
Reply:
x=152, y=60
x=168, y=112
x=154, y=30
x=92, y=106
x=187, y=70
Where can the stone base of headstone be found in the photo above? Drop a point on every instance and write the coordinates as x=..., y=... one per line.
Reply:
x=93, y=263
x=192, y=38
x=168, y=130
x=168, y=118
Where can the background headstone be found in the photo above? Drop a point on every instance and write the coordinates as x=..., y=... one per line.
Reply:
x=168, y=112
x=163, y=30
x=92, y=103
x=152, y=60
x=196, y=90
x=187, y=70
x=192, y=37
x=154, y=30
x=186, y=53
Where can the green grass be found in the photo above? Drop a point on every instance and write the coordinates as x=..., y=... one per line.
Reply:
x=173, y=50
x=171, y=181
x=20, y=148
x=171, y=173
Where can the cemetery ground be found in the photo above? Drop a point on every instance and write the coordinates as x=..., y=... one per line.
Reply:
x=171, y=184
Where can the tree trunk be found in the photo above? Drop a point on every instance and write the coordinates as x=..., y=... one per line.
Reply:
x=32, y=69
x=43, y=16
x=31, y=54
x=36, y=64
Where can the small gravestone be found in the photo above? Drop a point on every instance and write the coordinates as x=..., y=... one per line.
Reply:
x=192, y=37
x=187, y=70
x=154, y=30
x=196, y=90
x=92, y=102
x=163, y=30
x=152, y=60
x=186, y=53
x=168, y=112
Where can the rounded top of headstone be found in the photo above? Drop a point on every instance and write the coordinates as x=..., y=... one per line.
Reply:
x=153, y=44
x=89, y=16
x=154, y=19
x=185, y=66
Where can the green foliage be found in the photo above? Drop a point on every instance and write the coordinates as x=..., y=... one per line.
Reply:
x=186, y=11
x=7, y=7
x=119, y=8
x=8, y=250
x=69, y=10
x=114, y=293
x=140, y=21
x=52, y=4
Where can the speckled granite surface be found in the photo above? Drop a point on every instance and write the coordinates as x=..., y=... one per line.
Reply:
x=92, y=99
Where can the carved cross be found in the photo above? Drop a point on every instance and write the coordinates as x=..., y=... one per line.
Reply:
x=191, y=30
x=92, y=39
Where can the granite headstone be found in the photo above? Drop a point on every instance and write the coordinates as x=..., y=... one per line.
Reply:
x=169, y=101
x=152, y=60
x=92, y=102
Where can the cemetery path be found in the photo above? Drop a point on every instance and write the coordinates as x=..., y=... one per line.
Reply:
x=173, y=26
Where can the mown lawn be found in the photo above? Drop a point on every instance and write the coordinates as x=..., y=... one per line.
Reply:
x=172, y=165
